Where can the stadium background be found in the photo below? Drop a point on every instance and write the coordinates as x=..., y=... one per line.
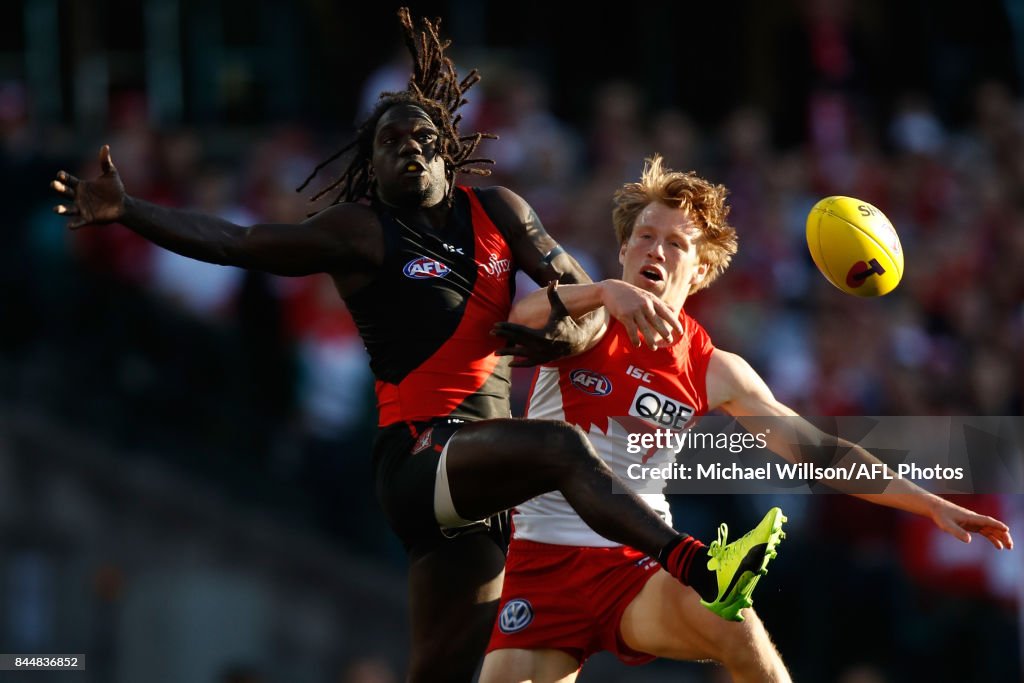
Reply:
x=184, y=470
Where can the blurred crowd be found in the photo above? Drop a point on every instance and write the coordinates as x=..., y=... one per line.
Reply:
x=261, y=383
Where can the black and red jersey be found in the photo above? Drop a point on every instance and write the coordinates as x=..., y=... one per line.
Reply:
x=426, y=317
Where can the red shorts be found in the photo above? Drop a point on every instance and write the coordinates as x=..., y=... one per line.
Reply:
x=569, y=598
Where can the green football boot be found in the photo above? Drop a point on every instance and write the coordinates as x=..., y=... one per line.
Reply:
x=739, y=565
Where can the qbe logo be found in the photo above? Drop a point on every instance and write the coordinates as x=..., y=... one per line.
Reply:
x=660, y=409
x=590, y=382
x=515, y=616
x=424, y=267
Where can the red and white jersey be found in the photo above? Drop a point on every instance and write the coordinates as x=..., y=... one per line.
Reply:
x=611, y=391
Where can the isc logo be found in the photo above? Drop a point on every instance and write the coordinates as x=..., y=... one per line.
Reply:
x=590, y=382
x=424, y=267
x=637, y=373
x=660, y=409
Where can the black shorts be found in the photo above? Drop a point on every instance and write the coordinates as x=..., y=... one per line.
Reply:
x=405, y=457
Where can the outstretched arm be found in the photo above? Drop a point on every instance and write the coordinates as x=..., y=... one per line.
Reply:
x=342, y=239
x=737, y=389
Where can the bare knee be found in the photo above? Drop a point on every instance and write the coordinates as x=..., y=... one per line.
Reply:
x=749, y=654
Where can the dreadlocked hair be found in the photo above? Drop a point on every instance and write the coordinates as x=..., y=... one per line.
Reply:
x=434, y=87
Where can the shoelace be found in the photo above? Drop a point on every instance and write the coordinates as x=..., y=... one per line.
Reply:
x=719, y=547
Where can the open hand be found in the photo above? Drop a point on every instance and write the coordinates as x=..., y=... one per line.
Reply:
x=641, y=313
x=91, y=201
x=959, y=521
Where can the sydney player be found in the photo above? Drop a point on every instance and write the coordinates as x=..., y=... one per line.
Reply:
x=568, y=591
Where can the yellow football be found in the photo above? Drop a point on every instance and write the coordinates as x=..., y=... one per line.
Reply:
x=854, y=246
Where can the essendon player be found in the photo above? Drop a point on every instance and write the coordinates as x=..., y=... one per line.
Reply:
x=569, y=592
x=427, y=268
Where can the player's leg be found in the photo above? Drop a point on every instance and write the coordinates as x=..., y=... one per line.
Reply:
x=453, y=598
x=666, y=619
x=535, y=666
x=497, y=464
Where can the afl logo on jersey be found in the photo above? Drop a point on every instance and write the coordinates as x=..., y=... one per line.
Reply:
x=424, y=267
x=590, y=382
x=515, y=616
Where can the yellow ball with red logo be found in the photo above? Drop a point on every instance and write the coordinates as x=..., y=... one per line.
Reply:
x=854, y=246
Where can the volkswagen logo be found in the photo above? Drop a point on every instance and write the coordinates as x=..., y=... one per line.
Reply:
x=515, y=616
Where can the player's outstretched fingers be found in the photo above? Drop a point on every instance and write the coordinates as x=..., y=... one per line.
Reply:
x=1000, y=538
x=74, y=223
x=665, y=312
x=659, y=326
x=514, y=350
x=646, y=330
x=631, y=330
x=65, y=184
x=991, y=537
x=106, y=162
x=558, y=309
x=997, y=533
x=516, y=336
